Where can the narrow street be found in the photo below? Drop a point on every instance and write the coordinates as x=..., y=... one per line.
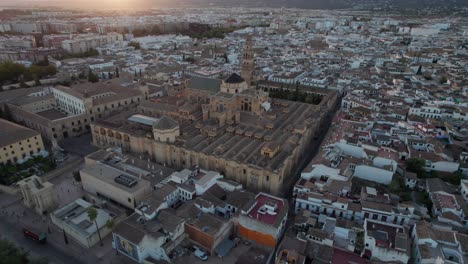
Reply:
x=314, y=148
x=11, y=231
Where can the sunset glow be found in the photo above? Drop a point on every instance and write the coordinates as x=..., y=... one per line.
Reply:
x=233, y=131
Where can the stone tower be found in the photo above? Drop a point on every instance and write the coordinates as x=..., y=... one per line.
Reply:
x=247, y=64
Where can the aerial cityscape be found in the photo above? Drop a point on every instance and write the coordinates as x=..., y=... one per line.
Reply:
x=244, y=132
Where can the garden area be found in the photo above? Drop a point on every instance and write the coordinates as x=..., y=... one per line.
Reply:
x=296, y=95
x=417, y=166
x=17, y=73
x=11, y=173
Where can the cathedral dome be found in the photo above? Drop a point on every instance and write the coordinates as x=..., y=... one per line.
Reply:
x=165, y=123
x=234, y=78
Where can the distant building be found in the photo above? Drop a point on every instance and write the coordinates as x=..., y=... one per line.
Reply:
x=23, y=42
x=84, y=43
x=66, y=112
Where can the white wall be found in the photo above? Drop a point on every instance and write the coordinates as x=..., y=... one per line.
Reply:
x=375, y=174
x=350, y=150
x=69, y=103
x=445, y=166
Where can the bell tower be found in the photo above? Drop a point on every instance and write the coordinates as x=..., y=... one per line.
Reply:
x=247, y=64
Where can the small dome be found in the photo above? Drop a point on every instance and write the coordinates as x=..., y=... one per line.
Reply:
x=165, y=123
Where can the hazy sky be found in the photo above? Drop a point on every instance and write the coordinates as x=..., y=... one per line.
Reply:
x=91, y=4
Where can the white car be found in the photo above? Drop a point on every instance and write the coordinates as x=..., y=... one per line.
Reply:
x=200, y=254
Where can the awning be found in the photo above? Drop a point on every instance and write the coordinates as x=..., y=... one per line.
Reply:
x=224, y=247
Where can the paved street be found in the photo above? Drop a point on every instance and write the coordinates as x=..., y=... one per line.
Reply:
x=12, y=221
x=314, y=148
x=78, y=145
x=14, y=216
x=11, y=232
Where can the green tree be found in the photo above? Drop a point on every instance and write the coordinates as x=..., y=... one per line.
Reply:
x=295, y=95
x=190, y=59
x=92, y=215
x=443, y=80
x=134, y=44
x=90, y=53
x=37, y=82
x=419, y=72
x=77, y=176
x=454, y=178
x=11, y=72
x=23, y=84
x=44, y=62
x=50, y=70
x=110, y=224
x=10, y=254
x=416, y=165
x=93, y=78
x=395, y=186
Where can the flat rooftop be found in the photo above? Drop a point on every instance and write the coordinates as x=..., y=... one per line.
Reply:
x=444, y=201
x=240, y=141
x=388, y=235
x=269, y=202
x=345, y=257
x=108, y=175
x=75, y=214
x=52, y=114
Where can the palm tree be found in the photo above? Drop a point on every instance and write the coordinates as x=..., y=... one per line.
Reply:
x=110, y=224
x=92, y=215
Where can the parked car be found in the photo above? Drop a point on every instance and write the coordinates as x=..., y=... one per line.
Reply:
x=200, y=254
x=35, y=235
